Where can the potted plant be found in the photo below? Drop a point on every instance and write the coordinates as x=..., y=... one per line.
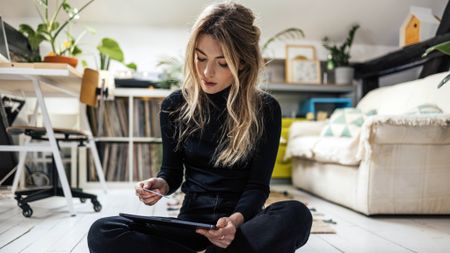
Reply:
x=444, y=48
x=172, y=71
x=339, y=57
x=50, y=29
x=109, y=50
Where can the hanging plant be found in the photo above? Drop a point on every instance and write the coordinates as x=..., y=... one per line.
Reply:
x=289, y=33
x=443, y=48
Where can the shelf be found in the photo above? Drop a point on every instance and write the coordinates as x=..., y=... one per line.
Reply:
x=325, y=88
x=147, y=139
x=140, y=92
x=127, y=139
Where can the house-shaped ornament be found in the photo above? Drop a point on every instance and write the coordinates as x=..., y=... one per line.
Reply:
x=419, y=25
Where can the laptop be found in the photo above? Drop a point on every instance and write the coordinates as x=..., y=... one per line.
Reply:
x=4, y=51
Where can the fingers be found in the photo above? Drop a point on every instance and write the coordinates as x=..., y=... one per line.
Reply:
x=151, y=183
x=139, y=187
x=201, y=231
x=147, y=198
x=221, y=237
x=218, y=240
x=151, y=200
x=222, y=222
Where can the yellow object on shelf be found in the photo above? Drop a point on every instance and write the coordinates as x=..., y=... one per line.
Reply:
x=283, y=168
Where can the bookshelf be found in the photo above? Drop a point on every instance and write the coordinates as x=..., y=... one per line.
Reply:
x=130, y=130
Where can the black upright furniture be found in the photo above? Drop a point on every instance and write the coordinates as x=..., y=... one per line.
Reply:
x=8, y=160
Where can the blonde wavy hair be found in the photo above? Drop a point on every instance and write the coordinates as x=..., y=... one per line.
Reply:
x=232, y=25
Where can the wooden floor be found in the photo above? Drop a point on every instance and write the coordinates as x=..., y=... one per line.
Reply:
x=50, y=229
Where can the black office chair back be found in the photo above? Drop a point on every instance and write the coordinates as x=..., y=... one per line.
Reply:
x=8, y=159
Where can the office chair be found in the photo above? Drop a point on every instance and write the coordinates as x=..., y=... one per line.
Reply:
x=88, y=96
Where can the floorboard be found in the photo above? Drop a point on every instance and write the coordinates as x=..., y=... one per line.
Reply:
x=51, y=229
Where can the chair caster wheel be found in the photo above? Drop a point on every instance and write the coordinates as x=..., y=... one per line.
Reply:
x=82, y=200
x=19, y=201
x=26, y=210
x=97, y=205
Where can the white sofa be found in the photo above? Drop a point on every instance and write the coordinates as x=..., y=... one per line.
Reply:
x=398, y=164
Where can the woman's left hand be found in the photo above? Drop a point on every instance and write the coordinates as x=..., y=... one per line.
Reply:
x=223, y=235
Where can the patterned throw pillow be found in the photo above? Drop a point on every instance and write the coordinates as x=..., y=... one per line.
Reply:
x=345, y=122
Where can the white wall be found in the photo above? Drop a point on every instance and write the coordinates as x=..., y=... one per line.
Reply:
x=145, y=45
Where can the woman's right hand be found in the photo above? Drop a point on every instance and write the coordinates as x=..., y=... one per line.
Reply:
x=155, y=184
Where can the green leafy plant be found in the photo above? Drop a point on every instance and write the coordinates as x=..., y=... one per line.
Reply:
x=339, y=55
x=50, y=28
x=35, y=38
x=444, y=48
x=289, y=33
x=109, y=50
x=70, y=45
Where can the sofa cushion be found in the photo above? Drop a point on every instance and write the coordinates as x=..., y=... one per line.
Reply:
x=301, y=147
x=344, y=122
x=337, y=150
x=328, y=150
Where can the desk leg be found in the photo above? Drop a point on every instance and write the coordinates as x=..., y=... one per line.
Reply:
x=22, y=158
x=93, y=149
x=54, y=146
x=98, y=165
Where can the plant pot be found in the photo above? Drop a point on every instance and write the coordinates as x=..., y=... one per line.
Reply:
x=61, y=59
x=343, y=75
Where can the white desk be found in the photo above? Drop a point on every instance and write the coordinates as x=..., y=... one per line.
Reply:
x=44, y=80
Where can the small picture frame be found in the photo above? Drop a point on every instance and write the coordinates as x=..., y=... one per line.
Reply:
x=303, y=71
x=305, y=52
x=301, y=65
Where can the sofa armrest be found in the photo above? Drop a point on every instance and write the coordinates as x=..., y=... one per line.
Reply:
x=404, y=129
x=306, y=128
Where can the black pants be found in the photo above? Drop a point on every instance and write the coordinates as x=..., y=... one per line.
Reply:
x=281, y=227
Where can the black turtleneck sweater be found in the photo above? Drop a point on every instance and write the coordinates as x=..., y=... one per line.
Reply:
x=247, y=179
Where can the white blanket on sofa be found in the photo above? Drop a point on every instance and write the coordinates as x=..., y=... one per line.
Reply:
x=306, y=143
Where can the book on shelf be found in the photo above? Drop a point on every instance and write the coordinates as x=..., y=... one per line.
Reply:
x=115, y=118
x=114, y=154
x=115, y=161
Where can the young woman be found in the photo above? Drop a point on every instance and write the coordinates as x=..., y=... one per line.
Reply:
x=221, y=133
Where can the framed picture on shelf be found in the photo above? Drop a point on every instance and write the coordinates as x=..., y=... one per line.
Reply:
x=302, y=65
x=304, y=52
x=303, y=71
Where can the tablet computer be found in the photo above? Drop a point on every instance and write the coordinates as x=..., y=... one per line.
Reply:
x=172, y=222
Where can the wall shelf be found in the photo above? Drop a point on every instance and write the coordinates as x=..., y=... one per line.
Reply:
x=323, y=88
x=128, y=139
